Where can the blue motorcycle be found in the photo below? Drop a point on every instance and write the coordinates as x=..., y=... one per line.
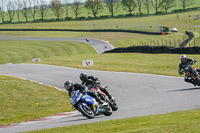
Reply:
x=88, y=106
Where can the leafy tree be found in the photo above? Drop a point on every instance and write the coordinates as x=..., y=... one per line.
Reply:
x=156, y=4
x=186, y=3
x=130, y=5
x=2, y=12
x=11, y=10
x=167, y=4
x=76, y=7
x=33, y=7
x=24, y=11
x=112, y=5
x=94, y=5
x=43, y=8
x=56, y=7
x=18, y=8
x=139, y=4
x=65, y=4
x=147, y=4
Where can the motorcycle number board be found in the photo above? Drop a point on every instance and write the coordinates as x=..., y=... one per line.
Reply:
x=87, y=63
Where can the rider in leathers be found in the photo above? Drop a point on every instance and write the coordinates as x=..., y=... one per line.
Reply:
x=70, y=87
x=184, y=63
x=91, y=81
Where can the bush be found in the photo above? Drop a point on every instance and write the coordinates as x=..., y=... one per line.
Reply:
x=105, y=16
x=120, y=16
x=160, y=13
x=81, y=18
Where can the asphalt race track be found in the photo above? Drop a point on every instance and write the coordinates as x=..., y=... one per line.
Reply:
x=136, y=94
x=99, y=46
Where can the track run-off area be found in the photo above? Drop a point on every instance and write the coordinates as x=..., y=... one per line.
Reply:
x=99, y=46
x=136, y=94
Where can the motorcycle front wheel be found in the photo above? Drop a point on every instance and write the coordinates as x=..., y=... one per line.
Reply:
x=86, y=112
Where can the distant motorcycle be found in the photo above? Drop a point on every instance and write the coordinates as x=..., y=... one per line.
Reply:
x=192, y=74
x=88, y=106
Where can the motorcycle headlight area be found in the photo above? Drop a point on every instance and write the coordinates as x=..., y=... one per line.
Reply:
x=75, y=99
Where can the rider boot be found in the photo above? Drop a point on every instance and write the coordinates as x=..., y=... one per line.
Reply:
x=198, y=70
x=107, y=93
x=91, y=93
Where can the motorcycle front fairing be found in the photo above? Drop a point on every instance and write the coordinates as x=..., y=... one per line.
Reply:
x=75, y=98
x=90, y=100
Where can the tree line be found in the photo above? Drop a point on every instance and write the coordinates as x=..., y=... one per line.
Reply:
x=26, y=8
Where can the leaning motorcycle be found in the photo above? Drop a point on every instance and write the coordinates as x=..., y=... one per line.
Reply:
x=88, y=106
x=192, y=74
x=105, y=98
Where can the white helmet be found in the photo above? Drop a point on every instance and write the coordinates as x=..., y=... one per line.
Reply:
x=183, y=58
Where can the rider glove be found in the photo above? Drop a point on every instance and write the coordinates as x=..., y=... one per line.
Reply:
x=180, y=72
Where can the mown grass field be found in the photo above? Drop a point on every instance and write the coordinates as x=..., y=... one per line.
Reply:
x=117, y=39
x=22, y=100
x=178, y=122
x=16, y=51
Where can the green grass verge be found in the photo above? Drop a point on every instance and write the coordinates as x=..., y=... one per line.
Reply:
x=164, y=64
x=22, y=100
x=16, y=51
x=178, y=122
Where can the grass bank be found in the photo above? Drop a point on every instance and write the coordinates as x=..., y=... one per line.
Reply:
x=22, y=100
x=178, y=122
x=163, y=64
x=17, y=51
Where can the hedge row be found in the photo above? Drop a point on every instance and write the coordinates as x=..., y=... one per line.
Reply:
x=156, y=50
x=102, y=30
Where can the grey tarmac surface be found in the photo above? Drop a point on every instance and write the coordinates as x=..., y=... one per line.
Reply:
x=99, y=46
x=136, y=94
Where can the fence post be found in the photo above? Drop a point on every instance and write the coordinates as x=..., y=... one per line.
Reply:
x=174, y=42
x=179, y=41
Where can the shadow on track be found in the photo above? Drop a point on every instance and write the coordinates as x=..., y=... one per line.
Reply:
x=188, y=89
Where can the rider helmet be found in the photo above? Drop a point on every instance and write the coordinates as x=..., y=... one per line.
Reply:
x=83, y=77
x=68, y=85
x=183, y=58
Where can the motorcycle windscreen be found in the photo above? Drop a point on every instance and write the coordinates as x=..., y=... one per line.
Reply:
x=75, y=97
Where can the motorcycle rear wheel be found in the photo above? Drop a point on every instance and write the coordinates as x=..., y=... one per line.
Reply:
x=87, y=113
x=198, y=81
x=108, y=111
